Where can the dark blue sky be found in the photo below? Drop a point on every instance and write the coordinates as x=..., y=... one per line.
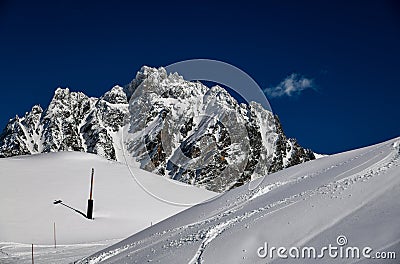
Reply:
x=351, y=50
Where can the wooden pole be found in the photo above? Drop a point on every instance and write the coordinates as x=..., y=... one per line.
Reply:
x=32, y=254
x=55, y=240
x=89, y=213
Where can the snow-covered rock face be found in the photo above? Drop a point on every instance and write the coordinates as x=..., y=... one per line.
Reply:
x=72, y=122
x=202, y=136
x=179, y=129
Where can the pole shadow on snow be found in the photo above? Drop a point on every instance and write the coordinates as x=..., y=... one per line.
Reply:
x=76, y=210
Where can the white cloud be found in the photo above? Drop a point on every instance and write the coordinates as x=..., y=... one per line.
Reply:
x=294, y=84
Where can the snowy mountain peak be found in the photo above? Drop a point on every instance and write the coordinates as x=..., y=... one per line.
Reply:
x=147, y=71
x=36, y=109
x=176, y=128
x=115, y=96
x=202, y=136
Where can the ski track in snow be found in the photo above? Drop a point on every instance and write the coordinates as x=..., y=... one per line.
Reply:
x=207, y=230
x=218, y=229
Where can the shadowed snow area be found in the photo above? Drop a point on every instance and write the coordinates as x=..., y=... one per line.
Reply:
x=355, y=194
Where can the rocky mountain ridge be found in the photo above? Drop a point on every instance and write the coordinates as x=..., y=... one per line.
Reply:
x=179, y=129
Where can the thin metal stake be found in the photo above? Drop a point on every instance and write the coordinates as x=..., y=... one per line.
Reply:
x=55, y=240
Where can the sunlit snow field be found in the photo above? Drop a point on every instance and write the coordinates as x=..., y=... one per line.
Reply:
x=355, y=195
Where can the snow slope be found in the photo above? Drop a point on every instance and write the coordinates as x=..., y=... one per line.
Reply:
x=355, y=194
x=30, y=184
